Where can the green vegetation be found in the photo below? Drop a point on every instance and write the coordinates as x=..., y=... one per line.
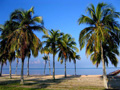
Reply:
x=18, y=35
x=53, y=41
x=67, y=49
x=17, y=88
x=101, y=37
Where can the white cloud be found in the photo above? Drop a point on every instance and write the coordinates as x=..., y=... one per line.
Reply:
x=35, y=62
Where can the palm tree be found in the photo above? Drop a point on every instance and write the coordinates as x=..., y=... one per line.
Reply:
x=102, y=30
x=11, y=57
x=28, y=55
x=17, y=55
x=75, y=56
x=109, y=53
x=16, y=65
x=6, y=55
x=53, y=40
x=3, y=55
x=45, y=58
x=47, y=51
x=7, y=28
x=67, y=49
x=49, y=65
x=23, y=38
x=3, y=61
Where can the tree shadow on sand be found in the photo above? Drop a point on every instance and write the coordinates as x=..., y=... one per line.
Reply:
x=37, y=83
x=8, y=82
x=47, y=82
x=113, y=82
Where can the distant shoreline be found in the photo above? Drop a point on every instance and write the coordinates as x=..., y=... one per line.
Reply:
x=5, y=75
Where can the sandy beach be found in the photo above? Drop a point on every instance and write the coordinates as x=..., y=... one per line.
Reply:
x=79, y=82
x=71, y=82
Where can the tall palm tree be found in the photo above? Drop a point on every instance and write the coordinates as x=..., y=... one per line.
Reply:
x=6, y=55
x=53, y=40
x=23, y=38
x=102, y=30
x=67, y=49
x=3, y=55
x=7, y=28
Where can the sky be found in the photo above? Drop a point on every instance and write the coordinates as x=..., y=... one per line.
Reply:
x=60, y=15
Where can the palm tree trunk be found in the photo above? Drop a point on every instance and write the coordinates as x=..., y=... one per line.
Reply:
x=53, y=66
x=49, y=65
x=1, y=69
x=75, y=66
x=22, y=80
x=16, y=67
x=45, y=66
x=28, y=67
x=65, y=68
x=10, y=69
x=104, y=69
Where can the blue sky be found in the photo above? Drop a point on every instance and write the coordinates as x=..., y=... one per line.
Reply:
x=58, y=15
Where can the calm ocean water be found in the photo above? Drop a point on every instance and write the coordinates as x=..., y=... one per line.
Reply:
x=60, y=71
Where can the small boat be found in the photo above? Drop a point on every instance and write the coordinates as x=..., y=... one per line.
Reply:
x=114, y=73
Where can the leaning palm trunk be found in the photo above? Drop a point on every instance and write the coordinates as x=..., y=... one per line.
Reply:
x=16, y=67
x=104, y=69
x=22, y=80
x=1, y=69
x=10, y=69
x=45, y=66
x=75, y=66
x=53, y=66
x=28, y=67
x=65, y=68
x=49, y=65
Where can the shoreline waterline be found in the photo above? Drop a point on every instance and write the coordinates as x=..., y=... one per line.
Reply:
x=60, y=71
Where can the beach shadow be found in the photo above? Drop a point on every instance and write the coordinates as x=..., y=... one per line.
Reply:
x=113, y=82
x=15, y=82
x=48, y=82
x=37, y=82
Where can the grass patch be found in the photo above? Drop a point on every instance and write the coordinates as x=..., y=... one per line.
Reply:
x=5, y=87
x=91, y=88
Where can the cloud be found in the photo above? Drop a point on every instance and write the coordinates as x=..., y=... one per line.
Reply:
x=35, y=62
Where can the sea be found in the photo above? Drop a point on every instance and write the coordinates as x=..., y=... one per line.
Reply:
x=60, y=71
